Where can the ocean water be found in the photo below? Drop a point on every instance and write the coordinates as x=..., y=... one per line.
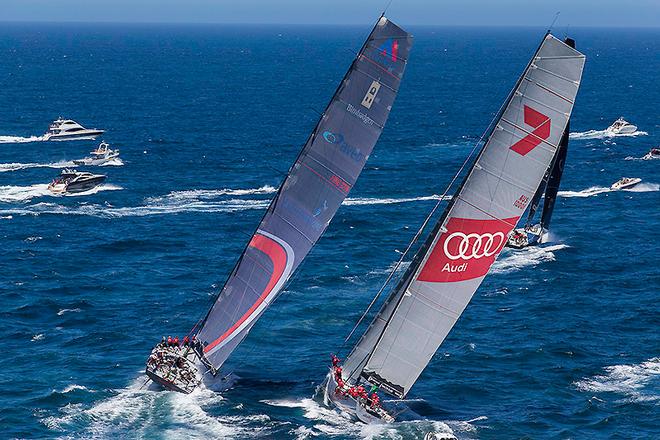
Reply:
x=560, y=342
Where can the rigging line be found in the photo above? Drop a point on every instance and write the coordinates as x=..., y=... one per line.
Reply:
x=386, y=8
x=554, y=20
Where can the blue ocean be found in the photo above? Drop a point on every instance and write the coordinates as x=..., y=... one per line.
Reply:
x=560, y=341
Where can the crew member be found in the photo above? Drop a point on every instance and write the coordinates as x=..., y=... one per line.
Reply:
x=186, y=341
x=335, y=360
x=169, y=341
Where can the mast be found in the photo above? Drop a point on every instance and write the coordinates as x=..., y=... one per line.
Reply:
x=455, y=258
x=317, y=183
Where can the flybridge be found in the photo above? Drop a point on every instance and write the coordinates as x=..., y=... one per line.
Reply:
x=318, y=182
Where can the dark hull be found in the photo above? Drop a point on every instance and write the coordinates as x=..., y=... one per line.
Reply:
x=91, y=134
x=166, y=384
x=84, y=185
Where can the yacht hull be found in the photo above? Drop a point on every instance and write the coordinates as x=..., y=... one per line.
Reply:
x=81, y=135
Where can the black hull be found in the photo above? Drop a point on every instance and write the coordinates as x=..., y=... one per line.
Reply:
x=86, y=185
x=166, y=384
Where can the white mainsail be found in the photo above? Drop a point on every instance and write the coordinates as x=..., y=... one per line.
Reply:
x=458, y=254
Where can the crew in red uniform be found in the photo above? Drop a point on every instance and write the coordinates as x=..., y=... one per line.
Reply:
x=335, y=360
x=375, y=400
x=169, y=341
x=186, y=341
x=176, y=341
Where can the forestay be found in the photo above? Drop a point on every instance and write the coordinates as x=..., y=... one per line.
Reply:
x=317, y=183
x=452, y=263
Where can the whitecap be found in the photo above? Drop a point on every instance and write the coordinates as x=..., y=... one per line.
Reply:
x=633, y=381
x=388, y=201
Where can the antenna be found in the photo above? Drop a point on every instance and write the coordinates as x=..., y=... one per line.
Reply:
x=386, y=8
x=554, y=21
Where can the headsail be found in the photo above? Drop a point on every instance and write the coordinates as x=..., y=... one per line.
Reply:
x=452, y=263
x=323, y=174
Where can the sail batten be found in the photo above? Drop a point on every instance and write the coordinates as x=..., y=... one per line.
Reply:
x=453, y=261
x=317, y=183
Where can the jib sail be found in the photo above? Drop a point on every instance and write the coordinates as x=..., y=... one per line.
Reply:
x=317, y=183
x=452, y=263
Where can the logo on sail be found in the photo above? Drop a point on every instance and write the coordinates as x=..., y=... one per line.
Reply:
x=388, y=52
x=466, y=250
x=541, y=125
x=349, y=150
x=371, y=94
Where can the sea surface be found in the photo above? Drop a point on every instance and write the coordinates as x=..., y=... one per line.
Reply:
x=559, y=342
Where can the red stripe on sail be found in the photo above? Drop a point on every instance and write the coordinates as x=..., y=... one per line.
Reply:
x=278, y=256
x=541, y=124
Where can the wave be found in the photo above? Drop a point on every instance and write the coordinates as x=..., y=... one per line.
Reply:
x=529, y=256
x=20, y=140
x=639, y=382
x=644, y=187
x=603, y=134
x=208, y=194
x=116, y=162
x=27, y=193
x=142, y=411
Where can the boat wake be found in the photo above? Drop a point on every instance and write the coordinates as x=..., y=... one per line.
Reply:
x=5, y=167
x=328, y=422
x=373, y=201
x=142, y=411
x=513, y=260
x=10, y=194
x=603, y=134
x=638, y=382
x=191, y=201
x=595, y=190
x=20, y=140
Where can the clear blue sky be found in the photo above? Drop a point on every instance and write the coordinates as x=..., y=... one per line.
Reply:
x=626, y=13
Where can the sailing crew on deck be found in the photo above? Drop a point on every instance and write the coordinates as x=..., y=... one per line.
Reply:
x=169, y=341
x=186, y=341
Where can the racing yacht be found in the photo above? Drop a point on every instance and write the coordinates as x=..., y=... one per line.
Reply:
x=72, y=181
x=621, y=126
x=530, y=235
x=625, y=183
x=67, y=130
x=653, y=154
x=102, y=154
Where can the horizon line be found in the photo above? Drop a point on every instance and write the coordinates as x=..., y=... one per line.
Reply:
x=193, y=23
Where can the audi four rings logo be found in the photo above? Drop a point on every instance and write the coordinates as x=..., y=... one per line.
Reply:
x=473, y=245
x=466, y=250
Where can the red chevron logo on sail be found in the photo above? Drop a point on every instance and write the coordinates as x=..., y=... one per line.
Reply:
x=541, y=124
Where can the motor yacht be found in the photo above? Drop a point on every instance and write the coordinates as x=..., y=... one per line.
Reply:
x=653, y=154
x=621, y=126
x=67, y=129
x=72, y=181
x=626, y=182
x=102, y=154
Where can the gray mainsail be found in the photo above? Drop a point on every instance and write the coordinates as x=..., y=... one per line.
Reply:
x=452, y=263
x=316, y=185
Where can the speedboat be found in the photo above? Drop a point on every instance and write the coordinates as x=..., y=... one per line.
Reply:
x=626, y=182
x=67, y=129
x=621, y=126
x=653, y=154
x=102, y=154
x=72, y=181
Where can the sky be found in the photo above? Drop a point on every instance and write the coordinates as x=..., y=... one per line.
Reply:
x=600, y=13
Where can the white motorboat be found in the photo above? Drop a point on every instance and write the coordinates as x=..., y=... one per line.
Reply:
x=621, y=126
x=72, y=181
x=102, y=154
x=626, y=182
x=67, y=130
x=653, y=154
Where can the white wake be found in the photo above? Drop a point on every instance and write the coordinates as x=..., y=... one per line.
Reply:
x=5, y=167
x=10, y=194
x=516, y=259
x=20, y=140
x=638, y=382
x=603, y=134
x=143, y=411
x=595, y=190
